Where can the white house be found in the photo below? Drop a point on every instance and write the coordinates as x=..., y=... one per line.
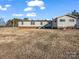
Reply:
x=34, y=24
x=66, y=21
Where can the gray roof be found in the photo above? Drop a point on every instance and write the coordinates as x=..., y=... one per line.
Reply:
x=36, y=20
x=72, y=16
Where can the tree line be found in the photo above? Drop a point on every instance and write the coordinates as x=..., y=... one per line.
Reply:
x=14, y=22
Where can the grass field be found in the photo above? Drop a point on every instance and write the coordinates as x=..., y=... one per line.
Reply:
x=18, y=43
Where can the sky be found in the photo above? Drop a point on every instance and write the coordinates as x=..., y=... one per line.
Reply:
x=36, y=9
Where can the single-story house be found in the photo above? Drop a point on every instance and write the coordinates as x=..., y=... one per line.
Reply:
x=35, y=24
x=66, y=21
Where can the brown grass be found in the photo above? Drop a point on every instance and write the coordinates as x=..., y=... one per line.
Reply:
x=18, y=43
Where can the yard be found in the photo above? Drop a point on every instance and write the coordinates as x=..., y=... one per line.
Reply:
x=18, y=43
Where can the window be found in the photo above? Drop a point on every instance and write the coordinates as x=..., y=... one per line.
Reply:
x=22, y=22
x=41, y=23
x=71, y=20
x=55, y=20
x=62, y=20
x=32, y=23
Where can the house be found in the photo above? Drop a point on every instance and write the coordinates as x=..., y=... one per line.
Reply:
x=35, y=24
x=66, y=21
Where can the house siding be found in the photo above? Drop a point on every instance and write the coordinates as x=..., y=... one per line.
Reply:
x=36, y=24
x=66, y=23
x=77, y=24
x=54, y=23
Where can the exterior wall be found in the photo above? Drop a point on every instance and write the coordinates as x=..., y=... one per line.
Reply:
x=44, y=23
x=54, y=23
x=77, y=24
x=67, y=22
x=24, y=24
x=28, y=24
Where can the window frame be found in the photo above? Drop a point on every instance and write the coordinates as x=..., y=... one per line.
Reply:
x=71, y=20
x=41, y=23
x=62, y=20
x=22, y=23
x=32, y=22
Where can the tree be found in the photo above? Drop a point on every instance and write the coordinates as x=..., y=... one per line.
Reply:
x=75, y=13
x=9, y=23
x=13, y=22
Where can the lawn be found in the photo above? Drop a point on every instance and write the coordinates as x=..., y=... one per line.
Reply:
x=16, y=43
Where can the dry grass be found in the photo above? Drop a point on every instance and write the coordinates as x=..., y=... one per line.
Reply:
x=38, y=44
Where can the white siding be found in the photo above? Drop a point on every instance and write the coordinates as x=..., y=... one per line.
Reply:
x=67, y=22
x=24, y=24
x=54, y=23
x=44, y=23
x=37, y=23
x=77, y=24
x=28, y=24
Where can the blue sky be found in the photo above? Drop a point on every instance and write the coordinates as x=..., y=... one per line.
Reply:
x=36, y=9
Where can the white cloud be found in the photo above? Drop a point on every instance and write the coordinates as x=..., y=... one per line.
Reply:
x=36, y=3
x=19, y=15
x=28, y=9
x=42, y=8
x=5, y=7
x=31, y=14
x=2, y=9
